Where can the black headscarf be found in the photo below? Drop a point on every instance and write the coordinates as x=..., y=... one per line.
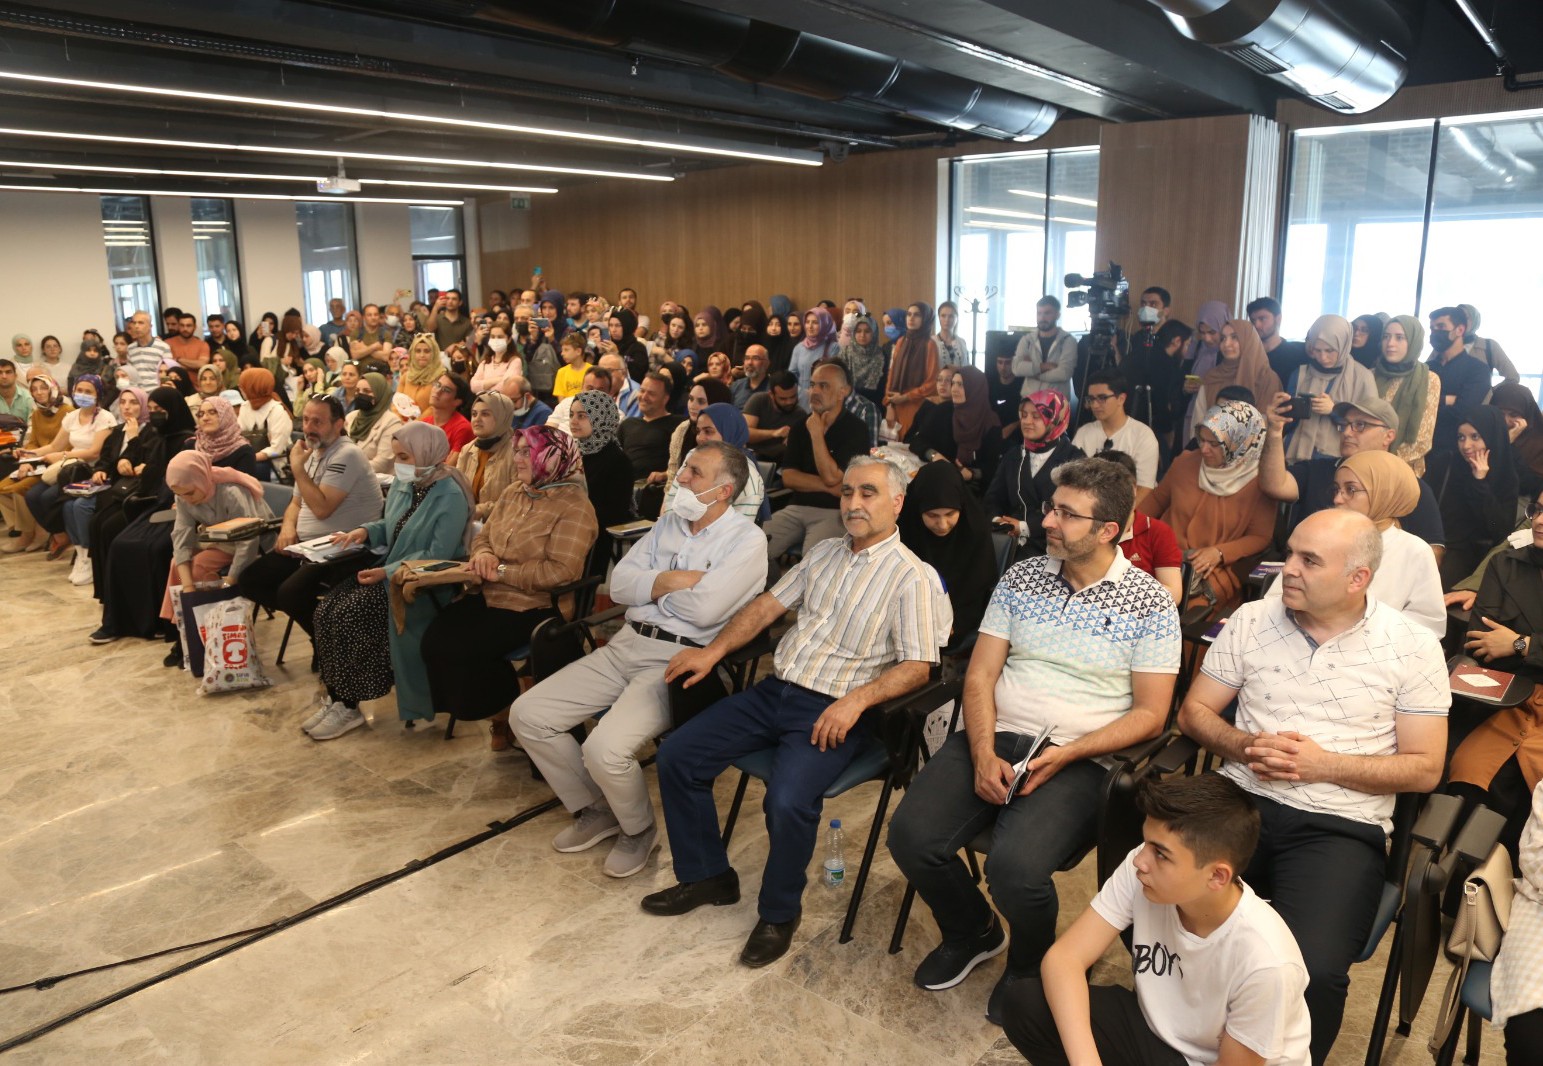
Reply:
x=751, y=329
x=184, y=380
x=681, y=387
x=965, y=559
x=179, y=420
x=1367, y=354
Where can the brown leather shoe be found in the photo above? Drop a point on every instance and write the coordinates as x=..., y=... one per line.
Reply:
x=501, y=736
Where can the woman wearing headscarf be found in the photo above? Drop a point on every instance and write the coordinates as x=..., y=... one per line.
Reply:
x=375, y=420
x=709, y=333
x=1524, y=426
x=819, y=342
x=945, y=525
x=119, y=467
x=1200, y=356
x=1486, y=349
x=751, y=329
x=780, y=306
x=724, y=422
x=45, y=426
x=424, y=366
x=310, y=341
x=220, y=438
x=1240, y=360
x=1212, y=499
x=1381, y=486
x=93, y=359
x=265, y=423
x=779, y=345
x=932, y=431
x=312, y=382
x=1476, y=484
x=977, y=431
x=623, y=329
x=267, y=327
x=1330, y=377
x=864, y=358
x=1023, y=477
x=233, y=339
x=488, y=466
x=538, y=537
x=1366, y=340
x=21, y=350
x=680, y=387
x=360, y=652
x=593, y=421
x=551, y=307
x=913, y=367
x=70, y=455
x=1406, y=382
x=209, y=383
x=683, y=439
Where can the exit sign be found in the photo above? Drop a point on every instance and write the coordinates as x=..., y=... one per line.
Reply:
x=519, y=203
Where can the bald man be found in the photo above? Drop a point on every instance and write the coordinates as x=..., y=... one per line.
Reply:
x=1341, y=704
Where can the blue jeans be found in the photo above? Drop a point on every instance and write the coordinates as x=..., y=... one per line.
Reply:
x=1033, y=837
x=77, y=519
x=771, y=714
x=42, y=498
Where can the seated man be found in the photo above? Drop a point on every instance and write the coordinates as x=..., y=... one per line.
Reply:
x=528, y=408
x=1149, y=542
x=1077, y=641
x=1218, y=975
x=771, y=416
x=1368, y=426
x=818, y=448
x=701, y=562
x=871, y=617
x=335, y=491
x=1341, y=702
x=646, y=440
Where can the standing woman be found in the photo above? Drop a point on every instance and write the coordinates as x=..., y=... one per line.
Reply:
x=423, y=369
x=710, y=334
x=864, y=358
x=622, y=327
x=232, y=337
x=265, y=423
x=1406, y=382
x=501, y=359
x=267, y=327
x=1201, y=355
x=779, y=345
x=375, y=420
x=1330, y=377
x=1241, y=360
x=750, y=330
x=819, y=342
x=93, y=359
x=1366, y=342
x=537, y=538
x=951, y=347
x=1477, y=487
x=913, y=367
x=361, y=653
x=488, y=466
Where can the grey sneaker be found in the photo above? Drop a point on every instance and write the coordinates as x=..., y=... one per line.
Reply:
x=590, y=826
x=321, y=712
x=339, y=720
x=630, y=852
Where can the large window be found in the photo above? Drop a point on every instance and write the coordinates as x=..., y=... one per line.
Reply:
x=214, y=247
x=130, y=257
x=329, y=256
x=1020, y=223
x=439, y=249
x=1407, y=217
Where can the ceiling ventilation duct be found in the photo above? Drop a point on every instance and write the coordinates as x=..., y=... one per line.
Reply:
x=1348, y=55
x=765, y=54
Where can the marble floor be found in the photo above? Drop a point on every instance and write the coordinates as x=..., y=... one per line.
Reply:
x=136, y=815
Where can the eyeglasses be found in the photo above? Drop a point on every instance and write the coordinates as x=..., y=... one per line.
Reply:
x=1062, y=514
x=1348, y=491
x=443, y=388
x=1357, y=425
x=1534, y=509
x=1101, y=397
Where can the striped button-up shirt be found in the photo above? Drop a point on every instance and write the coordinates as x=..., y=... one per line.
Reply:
x=859, y=612
x=145, y=362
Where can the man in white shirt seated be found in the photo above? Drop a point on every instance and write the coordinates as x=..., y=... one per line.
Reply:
x=1341, y=704
x=701, y=562
x=1218, y=976
x=1115, y=430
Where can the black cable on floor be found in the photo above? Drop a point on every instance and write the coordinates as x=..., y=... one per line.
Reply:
x=252, y=936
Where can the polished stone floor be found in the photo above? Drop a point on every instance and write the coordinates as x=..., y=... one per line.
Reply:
x=136, y=815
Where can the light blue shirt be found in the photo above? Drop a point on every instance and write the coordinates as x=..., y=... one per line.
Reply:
x=732, y=551
x=627, y=399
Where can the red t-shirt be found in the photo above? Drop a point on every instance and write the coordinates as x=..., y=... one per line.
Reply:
x=1152, y=545
x=459, y=432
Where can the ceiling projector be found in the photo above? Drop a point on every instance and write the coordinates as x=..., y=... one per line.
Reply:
x=338, y=185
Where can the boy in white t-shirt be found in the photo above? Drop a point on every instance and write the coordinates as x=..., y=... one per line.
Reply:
x=1218, y=976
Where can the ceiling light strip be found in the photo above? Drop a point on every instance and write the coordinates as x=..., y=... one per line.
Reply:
x=313, y=198
x=97, y=168
x=407, y=116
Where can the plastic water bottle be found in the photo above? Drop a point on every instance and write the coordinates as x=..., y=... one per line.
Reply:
x=835, y=873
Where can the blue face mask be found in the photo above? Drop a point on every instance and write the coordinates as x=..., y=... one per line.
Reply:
x=892, y=332
x=80, y=399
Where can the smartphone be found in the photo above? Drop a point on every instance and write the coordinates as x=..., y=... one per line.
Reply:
x=536, y=271
x=1191, y=378
x=1301, y=408
x=437, y=567
x=542, y=323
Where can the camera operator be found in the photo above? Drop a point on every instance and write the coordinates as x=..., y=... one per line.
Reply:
x=1151, y=362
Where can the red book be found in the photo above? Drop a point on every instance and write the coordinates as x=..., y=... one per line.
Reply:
x=1477, y=683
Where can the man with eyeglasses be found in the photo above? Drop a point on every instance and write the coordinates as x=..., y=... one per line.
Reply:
x=1369, y=425
x=1114, y=430
x=1079, y=643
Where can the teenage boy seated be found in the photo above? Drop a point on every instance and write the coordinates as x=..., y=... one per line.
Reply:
x=1218, y=976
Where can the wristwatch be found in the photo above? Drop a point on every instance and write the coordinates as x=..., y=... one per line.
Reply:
x=1519, y=645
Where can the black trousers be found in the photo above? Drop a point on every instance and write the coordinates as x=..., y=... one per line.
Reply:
x=1523, y=1038
x=464, y=650
x=1119, y=1029
x=281, y=582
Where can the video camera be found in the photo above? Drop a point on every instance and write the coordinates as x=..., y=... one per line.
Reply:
x=1106, y=296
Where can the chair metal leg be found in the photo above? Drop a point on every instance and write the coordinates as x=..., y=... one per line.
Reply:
x=450, y=728
x=902, y=919
x=739, y=797
x=284, y=644
x=868, y=851
x=1448, y=1051
x=1384, y=1013
x=1475, y=1037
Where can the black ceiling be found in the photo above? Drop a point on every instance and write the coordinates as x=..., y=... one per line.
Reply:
x=481, y=60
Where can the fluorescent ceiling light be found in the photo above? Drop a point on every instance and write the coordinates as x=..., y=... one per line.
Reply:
x=1005, y=225
x=1072, y=221
x=587, y=136
x=1368, y=127
x=1074, y=200
x=95, y=168
x=1003, y=211
x=329, y=153
x=314, y=198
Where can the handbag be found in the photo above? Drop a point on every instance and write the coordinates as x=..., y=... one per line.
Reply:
x=1482, y=918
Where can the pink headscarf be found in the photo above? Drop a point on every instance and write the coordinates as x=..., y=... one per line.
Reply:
x=227, y=436
x=144, y=399
x=554, y=455
x=827, y=328
x=193, y=470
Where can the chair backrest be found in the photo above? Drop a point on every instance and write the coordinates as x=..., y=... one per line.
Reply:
x=277, y=496
x=1002, y=543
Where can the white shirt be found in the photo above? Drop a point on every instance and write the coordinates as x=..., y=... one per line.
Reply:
x=1407, y=580
x=1133, y=438
x=1245, y=979
x=81, y=432
x=732, y=551
x=1345, y=694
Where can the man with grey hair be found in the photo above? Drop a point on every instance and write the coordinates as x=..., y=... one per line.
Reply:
x=528, y=409
x=1341, y=704
x=147, y=354
x=622, y=388
x=1078, y=643
x=871, y=617
x=680, y=583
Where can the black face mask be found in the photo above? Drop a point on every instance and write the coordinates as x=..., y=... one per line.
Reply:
x=488, y=443
x=364, y=403
x=158, y=419
x=1440, y=340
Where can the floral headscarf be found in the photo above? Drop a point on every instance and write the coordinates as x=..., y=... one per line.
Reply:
x=55, y=394
x=554, y=456
x=226, y=437
x=604, y=419
x=1057, y=414
x=1239, y=428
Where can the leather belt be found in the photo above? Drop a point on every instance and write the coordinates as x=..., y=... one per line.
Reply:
x=648, y=630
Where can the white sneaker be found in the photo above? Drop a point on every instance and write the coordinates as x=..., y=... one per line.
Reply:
x=80, y=573
x=590, y=826
x=321, y=712
x=340, y=719
x=630, y=853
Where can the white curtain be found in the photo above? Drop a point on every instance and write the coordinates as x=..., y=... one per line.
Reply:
x=1261, y=212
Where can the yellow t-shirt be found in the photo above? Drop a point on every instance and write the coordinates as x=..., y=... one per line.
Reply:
x=570, y=380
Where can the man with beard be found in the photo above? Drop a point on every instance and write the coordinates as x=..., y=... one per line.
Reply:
x=1077, y=643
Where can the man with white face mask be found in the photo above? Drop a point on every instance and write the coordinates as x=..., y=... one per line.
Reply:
x=699, y=564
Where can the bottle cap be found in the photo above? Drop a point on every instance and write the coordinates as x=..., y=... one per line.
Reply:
x=835, y=823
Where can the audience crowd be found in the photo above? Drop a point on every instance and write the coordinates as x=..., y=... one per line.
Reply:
x=1055, y=526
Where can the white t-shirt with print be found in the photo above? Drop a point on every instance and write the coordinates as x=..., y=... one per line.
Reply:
x=1133, y=438
x=1246, y=979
